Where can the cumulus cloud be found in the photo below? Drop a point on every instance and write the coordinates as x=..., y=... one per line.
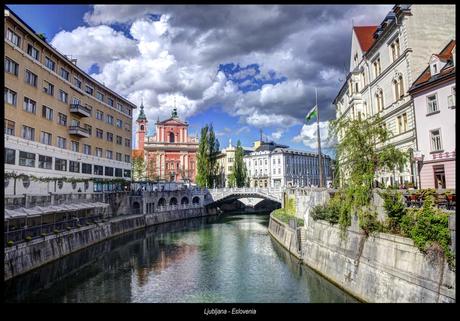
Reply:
x=174, y=52
x=309, y=138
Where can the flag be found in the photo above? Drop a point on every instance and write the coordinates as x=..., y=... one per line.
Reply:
x=313, y=112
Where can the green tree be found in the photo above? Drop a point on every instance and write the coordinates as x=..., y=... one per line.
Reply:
x=139, y=172
x=202, y=158
x=361, y=151
x=238, y=176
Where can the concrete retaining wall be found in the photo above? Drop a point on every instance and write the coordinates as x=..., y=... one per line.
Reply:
x=24, y=257
x=381, y=268
x=285, y=235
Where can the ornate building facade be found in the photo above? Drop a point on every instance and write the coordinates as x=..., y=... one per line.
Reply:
x=170, y=154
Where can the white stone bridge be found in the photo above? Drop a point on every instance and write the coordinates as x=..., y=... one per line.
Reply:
x=219, y=195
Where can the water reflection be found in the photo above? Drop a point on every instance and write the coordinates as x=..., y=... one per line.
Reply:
x=230, y=258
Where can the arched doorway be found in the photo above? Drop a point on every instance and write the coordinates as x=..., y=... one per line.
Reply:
x=136, y=208
x=184, y=200
x=173, y=201
x=162, y=202
x=196, y=200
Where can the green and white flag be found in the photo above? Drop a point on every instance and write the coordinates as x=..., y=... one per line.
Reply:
x=313, y=113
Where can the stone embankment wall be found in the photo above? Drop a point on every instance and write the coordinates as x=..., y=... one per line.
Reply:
x=26, y=256
x=285, y=235
x=379, y=268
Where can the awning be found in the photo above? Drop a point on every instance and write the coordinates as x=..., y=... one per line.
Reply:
x=43, y=210
x=11, y=214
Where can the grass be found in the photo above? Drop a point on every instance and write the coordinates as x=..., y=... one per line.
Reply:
x=284, y=216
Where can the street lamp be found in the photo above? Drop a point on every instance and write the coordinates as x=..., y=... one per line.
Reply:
x=418, y=157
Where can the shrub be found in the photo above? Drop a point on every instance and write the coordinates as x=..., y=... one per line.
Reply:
x=68, y=228
x=10, y=243
x=395, y=207
x=56, y=231
x=43, y=234
x=28, y=238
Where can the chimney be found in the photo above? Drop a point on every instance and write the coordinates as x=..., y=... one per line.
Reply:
x=74, y=61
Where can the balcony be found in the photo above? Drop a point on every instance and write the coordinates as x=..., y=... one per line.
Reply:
x=80, y=110
x=78, y=131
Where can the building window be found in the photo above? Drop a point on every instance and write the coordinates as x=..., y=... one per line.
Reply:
x=99, y=115
x=61, y=142
x=118, y=172
x=98, y=170
x=377, y=67
x=119, y=123
x=379, y=100
x=119, y=140
x=62, y=119
x=33, y=52
x=86, y=168
x=10, y=96
x=109, y=119
x=63, y=96
x=60, y=164
x=89, y=90
x=119, y=106
x=29, y=105
x=45, y=138
x=45, y=162
x=99, y=96
x=99, y=133
x=31, y=78
x=109, y=154
x=26, y=159
x=74, y=167
x=60, y=184
x=65, y=74
x=109, y=137
x=89, y=129
x=50, y=64
x=47, y=113
x=118, y=157
x=13, y=37
x=74, y=146
x=77, y=82
x=398, y=88
x=48, y=88
x=10, y=156
x=451, y=99
x=402, y=123
x=98, y=152
x=108, y=171
x=11, y=66
x=86, y=149
x=28, y=133
x=127, y=173
x=432, y=104
x=110, y=102
x=127, y=158
x=9, y=127
x=436, y=144
x=395, y=49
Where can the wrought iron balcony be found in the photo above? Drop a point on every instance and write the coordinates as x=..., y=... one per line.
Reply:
x=80, y=110
x=78, y=131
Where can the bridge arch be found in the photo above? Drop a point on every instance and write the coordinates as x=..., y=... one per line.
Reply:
x=162, y=202
x=173, y=201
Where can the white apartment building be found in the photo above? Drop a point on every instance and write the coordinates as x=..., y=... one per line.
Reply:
x=226, y=163
x=275, y=166
x=434, y=101
x=385, y=61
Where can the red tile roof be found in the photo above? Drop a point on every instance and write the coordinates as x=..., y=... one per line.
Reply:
x=365, y=35
x=445, y=54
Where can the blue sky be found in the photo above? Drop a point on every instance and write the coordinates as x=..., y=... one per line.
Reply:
x=242, y=68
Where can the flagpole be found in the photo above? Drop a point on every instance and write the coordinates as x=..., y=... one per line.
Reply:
x=319, y=143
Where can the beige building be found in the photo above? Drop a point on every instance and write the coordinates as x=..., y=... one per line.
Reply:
x=385, y=61
x=59, y=122
x=226, y=162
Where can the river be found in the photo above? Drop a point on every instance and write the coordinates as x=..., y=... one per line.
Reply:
x=229, y=258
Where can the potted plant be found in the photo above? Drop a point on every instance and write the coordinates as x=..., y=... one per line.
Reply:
x=28, y=238
x=43, y=234
x=56, y=231
x=68, y=228
x=10, y=243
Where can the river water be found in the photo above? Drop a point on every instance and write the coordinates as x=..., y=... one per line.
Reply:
x=229, y=258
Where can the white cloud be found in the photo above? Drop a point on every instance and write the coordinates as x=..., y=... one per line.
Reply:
x=309, y=137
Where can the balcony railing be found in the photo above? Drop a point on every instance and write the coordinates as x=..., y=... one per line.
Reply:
x=78, y=131
x=80, y=110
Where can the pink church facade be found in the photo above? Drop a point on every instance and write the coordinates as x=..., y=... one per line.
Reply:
x=170, y=154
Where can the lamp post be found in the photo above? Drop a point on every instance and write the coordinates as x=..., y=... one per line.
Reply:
x=418, y=157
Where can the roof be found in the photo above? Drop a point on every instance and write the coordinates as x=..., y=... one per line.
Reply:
x=40, y=210
x=141, y=113
x=449, y=69
x=365, y=35
x=137, y=153
x=173, y=119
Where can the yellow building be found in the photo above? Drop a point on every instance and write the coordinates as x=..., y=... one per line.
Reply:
x=59, y=121
x=226, y=162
